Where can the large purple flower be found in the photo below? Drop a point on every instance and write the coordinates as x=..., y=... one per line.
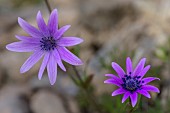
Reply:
x=132, y=82
x=47, y=41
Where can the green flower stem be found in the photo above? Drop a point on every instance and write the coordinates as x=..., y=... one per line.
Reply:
x=91, y=97
x=48, y=5
x=78, y=76
x=132, y=109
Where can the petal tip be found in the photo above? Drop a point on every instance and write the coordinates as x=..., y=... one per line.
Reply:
x=79, y=63
x=128, y=58
x=106, y=75
x=64, y=69
x=123, y=101
x=81, y=40
x=113, y=94
x=22, y=71
x=113, y=64
x=105, y=82
x=20, y=20
x=52, y=82
x=8, y=47
x=68, y=26
x=54, y=10
x=133, y=105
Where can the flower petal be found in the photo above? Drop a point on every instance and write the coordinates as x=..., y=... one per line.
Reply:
x=118, y=70
x=58, y=59
x=149, y=79
x=129, y=67
x=134, y=98
x=118, y=92
x=52, y=69
x=139, y=67
x=43, y=65
x=145, y=93
x=125, y=96
x=114, y=77
x=144, y=71
x=61, y=31
x=34, y=58
x=28, y=39
x=29, y=29
x=41, y=24
x=69, y=57
x=112, y=81
x=69, y=41
x=150, y=88
x=53, y=22
x=22, y=47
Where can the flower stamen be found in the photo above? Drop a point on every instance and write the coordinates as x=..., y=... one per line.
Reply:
x=48, y=43
x=131, y=83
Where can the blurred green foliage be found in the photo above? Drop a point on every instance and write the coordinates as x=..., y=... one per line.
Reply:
x=163, y=52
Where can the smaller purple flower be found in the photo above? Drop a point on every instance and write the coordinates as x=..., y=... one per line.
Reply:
x=47, y=41
x=132, y=82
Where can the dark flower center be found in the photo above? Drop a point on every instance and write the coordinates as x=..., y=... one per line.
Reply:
x=48, y=43
x=131, y=83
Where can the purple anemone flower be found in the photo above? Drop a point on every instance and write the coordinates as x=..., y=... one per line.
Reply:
x=47, y=41
x=132, y=82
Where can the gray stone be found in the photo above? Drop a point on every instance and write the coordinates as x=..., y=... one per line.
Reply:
x=13, y=99
x=63, y=84
x=12, y=61
x=46, y=102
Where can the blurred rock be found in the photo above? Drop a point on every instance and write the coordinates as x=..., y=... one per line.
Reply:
x=3, y=76
x=102, y=19
x=36, y=84
x=46, y=102
x=63, y=84
x=12, y=62
x=73, y=105
x=13, y=99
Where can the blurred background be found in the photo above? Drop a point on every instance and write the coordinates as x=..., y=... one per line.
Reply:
x=111, y=29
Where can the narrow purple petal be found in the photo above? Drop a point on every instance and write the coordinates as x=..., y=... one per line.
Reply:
x=145, y=93
x=61, y=31
x=43, y=65
x=58, y=59
x=69, y=41
x=112, y=81
x=129, y=67
x=134, y=98
x=139, y=67
x=29, y=29
x=150, y=88
x=114, y=77
x=125, y=96
x=144, y=71
x=118, y=69
x=52, y=69
x=28, y=39
x=22, y=47
x=41, y=24
x=34, y=58
x=118, y=92
x=69, y=57
x=149, y=79
x=53, y=22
